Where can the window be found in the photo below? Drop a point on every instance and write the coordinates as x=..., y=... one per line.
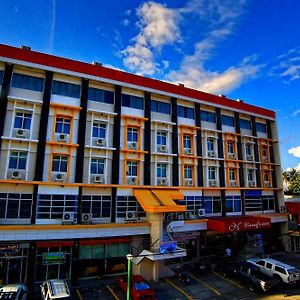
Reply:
x=99, y=95
x=233, y=204
x=97, y=205
x=250, y=175
x=128, y=203
x=207, y=116
x=17, y=160
x=187, y=142
x=1, y=76
x=160, y=107
x=132, y=134
x=267, y=176
x=161, y=170
x=99, y=130
x=66, y=89
x=161, y=138
x=264, y=151
x=97, y=166
x=268, y=202
x=245, y=124
x=212, y=204
x=63, y=125
x=253, y=203
x=227, y=120
x=248, y=149
x=232, y=174
x=132, y=101
x=54, y=206
x=261, y=127
x=16, y=206
x=26, y=82
x=230, y=147
x=185, y=112
x=212, y=173
x=132, y=168
x=22, y=120
x=210, y=144
x=269, y=265
x=60, y=163
x=280, y=270
x=188, y=172
x=193, y=203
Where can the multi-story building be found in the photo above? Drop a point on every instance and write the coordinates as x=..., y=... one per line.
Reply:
x=96, y=163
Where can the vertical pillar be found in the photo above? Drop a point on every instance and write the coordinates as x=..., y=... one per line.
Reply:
x=147, y=140
x=199, y=145
x=256, y=152
x=220, y=148
x=239, y=149
x=174, y=118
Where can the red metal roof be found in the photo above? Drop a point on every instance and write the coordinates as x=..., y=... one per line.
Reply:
x=112, y=74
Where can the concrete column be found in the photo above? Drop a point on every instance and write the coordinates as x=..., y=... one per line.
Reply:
x=155, y=270
x=156, y=231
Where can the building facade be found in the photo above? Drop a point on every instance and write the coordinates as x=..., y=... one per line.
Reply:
x=96, y=163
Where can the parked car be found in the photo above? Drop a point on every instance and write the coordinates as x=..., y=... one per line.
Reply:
x=255, y=280
x=14, y=292
x=196, y=266
x=140, y=288
x=282, y=272
x=226, y=267
x=55, y=289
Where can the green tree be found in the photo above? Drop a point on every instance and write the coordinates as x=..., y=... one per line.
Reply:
x=293, y=182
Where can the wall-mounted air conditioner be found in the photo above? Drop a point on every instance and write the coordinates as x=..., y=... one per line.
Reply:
x=162, y=181
x=132, y=180
x=133, y=146
x=233, y=183
x=86, y=218
x=212, y=183
x=188, y=182
x=20, y=133
x=69, y=218
x=201, y=212
x=188, y=151
x=98, y=178
x=211, y=153
x=62, y=137
x=59, y=177
x=100, y=142
x=131, y=215
x=162, y=148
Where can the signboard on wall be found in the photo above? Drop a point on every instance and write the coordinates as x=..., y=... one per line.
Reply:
x=53, y=258
x=11, y=248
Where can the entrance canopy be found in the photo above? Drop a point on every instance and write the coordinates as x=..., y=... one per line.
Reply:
x=156, y=200
x=238, y=223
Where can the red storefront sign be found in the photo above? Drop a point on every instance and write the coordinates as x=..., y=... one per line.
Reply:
x=238, y=223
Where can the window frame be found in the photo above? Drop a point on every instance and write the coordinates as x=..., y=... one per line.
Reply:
x=65, y=123
x=23, y=118
x=99, y=164
x=19, y=157
x=61, y=163
x=27, y=82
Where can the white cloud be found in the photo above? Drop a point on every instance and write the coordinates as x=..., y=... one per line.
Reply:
x=296, y=113
x=125, y=22
x=288, y=65
x=295, y=151
x=158, y=27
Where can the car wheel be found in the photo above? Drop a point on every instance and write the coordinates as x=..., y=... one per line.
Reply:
x=252, y=288
x=278, y=278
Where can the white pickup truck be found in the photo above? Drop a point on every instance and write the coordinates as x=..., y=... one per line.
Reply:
x=278, y=270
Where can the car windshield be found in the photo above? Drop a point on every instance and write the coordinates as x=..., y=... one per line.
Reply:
x=292, y=271
x=140, y=286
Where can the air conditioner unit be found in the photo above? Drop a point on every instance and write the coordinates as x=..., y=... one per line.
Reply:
x=100, y=142
x=265, y=159
x=201, y=212
x=188, y=151
x=211, y=153
x=62, y=137
x=189, y=215
x=131, y=215
x=283, y=209
x=252, y=184
x=86, y=218
x=188, y=182
x=16, y=175
x=20, y=133
x=133, y=145
x=267, y=184
x=162, y=148
x=162, y=181
x=249, y=157
x=68, y=218
x=98, y=179
x=233, y=184
x=231, y=155
x=212, y=183
x=132, y=180
x=59, y=177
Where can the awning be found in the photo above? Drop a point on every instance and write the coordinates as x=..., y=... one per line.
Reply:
x=238, y=223
x=155, y=200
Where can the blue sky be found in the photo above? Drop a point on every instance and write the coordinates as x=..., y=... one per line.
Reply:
x=244, y=49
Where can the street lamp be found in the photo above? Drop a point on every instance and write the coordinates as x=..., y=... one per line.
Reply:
x=129, y=258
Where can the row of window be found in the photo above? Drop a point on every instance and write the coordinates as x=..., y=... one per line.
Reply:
x=104, y=96
x=19, y=206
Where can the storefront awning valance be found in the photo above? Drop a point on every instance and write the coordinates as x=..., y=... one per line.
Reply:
x=155, y=200
x=238, y=223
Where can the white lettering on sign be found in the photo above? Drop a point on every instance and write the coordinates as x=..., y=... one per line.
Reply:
x=248, y=226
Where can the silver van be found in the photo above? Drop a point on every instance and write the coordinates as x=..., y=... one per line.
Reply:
x=278, y=270
x=13, y=292
x=55, y=289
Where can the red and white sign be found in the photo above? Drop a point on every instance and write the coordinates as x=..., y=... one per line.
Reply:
x=240, y=223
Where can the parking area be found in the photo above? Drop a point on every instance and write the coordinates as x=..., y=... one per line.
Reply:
x=209, y=285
